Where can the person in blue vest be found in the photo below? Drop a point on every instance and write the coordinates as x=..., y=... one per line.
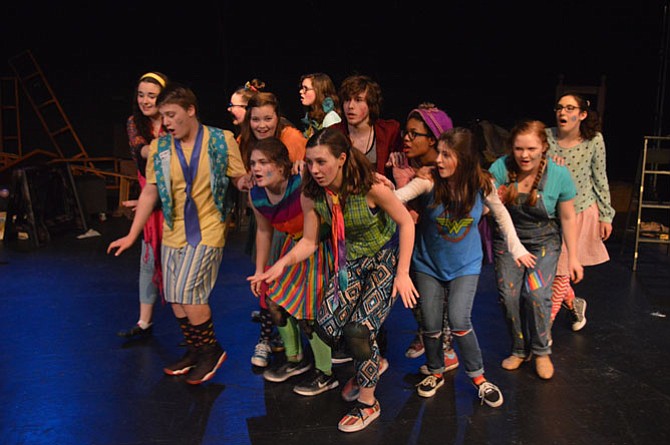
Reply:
x=189, y=171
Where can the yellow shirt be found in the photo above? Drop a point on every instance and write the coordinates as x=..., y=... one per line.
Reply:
x=212, y=228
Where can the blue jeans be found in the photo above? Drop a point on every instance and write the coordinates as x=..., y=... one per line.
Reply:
x=148, y=290
x=461, y=295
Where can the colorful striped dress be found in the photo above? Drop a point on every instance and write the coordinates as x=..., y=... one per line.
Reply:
x=300, y=290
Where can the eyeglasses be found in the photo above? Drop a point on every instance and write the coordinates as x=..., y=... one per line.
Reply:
x=413, y=134
x=232, y=105
x=304, y=89
x=568, y=108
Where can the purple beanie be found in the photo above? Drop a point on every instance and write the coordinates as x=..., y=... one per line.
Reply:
x=435, y=119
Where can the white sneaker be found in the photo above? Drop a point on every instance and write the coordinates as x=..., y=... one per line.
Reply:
x=262, y=352
x=578, y=314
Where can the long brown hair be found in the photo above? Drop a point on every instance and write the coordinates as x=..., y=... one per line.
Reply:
x=247, y=138
x=536, y=128
x=323, y=88
x=358, y=174
x=458, y=193
x=142, y=122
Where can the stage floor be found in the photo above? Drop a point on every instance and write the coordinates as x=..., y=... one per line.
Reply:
x=68, y=379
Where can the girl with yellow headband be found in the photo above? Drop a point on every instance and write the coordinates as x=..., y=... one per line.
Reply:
x=144, y=125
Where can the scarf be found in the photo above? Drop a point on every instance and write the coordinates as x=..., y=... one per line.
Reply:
x=339, y=246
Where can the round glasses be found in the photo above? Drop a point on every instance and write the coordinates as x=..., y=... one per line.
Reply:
x=568, y=108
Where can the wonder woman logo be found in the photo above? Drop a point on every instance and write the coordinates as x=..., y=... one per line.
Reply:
x=453, y=230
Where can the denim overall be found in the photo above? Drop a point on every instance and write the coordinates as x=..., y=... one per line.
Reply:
x=526, y=293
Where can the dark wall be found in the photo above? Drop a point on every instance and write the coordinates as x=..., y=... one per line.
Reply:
x=498, y=61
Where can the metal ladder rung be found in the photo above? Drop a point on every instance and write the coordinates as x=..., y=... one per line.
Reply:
x=653, y=159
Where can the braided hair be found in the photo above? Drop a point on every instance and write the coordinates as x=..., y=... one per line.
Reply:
x=538, y=129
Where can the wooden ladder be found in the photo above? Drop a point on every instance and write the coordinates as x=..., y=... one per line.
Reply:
x=48, y=109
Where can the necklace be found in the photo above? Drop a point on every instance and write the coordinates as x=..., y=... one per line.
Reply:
x=368, y=146
x=365, y=148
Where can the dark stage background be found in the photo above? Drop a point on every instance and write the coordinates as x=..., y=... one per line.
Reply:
x=498, y=61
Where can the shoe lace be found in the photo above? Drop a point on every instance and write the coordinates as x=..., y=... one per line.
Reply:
x=261, y=348
x=484, y=389
x=430, y=380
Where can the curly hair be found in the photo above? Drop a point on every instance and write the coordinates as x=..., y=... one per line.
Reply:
x=589, y=127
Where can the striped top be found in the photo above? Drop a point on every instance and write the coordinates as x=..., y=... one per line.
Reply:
x=286, y=215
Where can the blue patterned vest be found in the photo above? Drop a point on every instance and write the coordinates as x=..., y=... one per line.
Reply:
x=217, y=150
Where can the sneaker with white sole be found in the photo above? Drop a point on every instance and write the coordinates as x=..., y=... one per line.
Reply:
x=210, y=358
x=316, y=384
x=286, y=371
x=578, y=314
x=351, y=389
x=359, y=417
x=429, y=385
x=340, y=354
x=184, y=364
x=415, y=349
x=262, y=353
x=490, y=394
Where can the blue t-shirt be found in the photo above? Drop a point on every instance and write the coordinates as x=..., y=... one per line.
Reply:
x=447, y=247
x=559, y=186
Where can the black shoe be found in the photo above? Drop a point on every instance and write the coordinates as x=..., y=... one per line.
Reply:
x=184, y=364
x=340, y=354
x=210, y=358
x=490, y=394
x=315, y=384
x=340, y=357
x=287, y=370
x=429, y=385
x=136, y=332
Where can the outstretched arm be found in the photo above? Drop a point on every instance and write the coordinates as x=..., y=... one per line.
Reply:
x=301, y=251
x=145, y=205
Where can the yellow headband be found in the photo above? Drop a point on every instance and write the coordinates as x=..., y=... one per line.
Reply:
x=155, y=77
